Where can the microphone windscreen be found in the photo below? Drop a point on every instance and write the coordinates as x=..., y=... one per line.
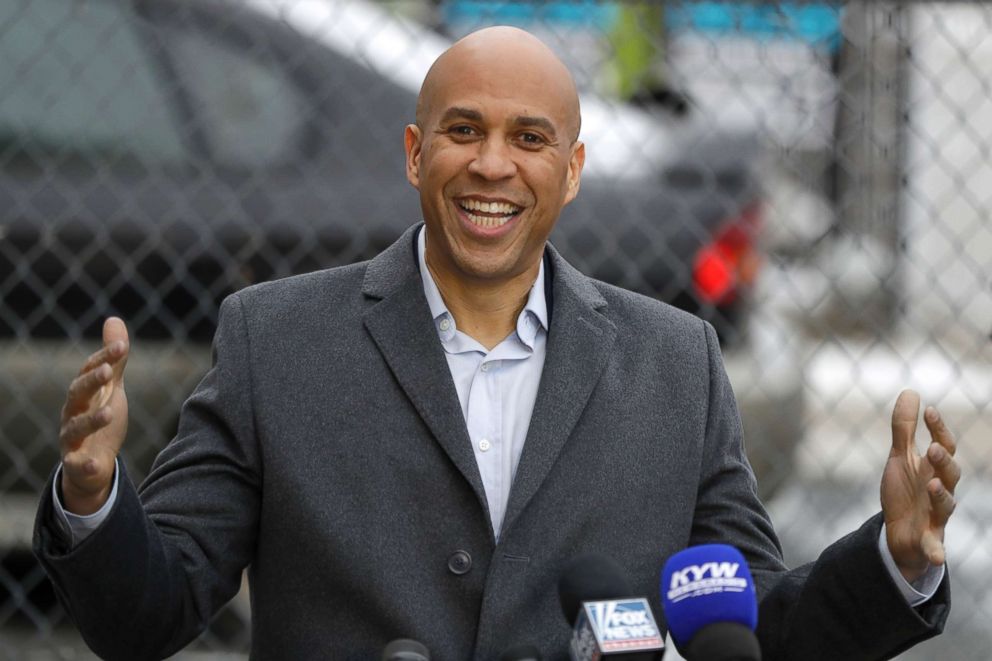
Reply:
x=724, y=641
x=591, y=577
x=405, y=649
x=706, y=584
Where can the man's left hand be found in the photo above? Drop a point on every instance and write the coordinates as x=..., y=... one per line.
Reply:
x=918, y=491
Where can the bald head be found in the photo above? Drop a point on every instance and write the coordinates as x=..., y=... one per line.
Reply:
x=501, y=54
x=495, y=156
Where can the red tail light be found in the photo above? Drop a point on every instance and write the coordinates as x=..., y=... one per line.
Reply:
x=730, y=261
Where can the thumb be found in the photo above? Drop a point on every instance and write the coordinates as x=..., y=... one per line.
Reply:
x=933, y=548
x=904, y=416
x=115, y=338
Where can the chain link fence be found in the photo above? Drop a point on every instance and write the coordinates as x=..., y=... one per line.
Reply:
x=814, y=178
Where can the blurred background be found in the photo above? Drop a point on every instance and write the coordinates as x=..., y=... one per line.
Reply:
x=814, y=178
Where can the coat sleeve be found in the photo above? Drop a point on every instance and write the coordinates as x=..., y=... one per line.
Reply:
x=845, y=604
x=169, y=555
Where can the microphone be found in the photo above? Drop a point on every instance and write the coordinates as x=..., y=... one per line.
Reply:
x=608, y=622
x=521, y=653
x=708, y=596
x=404, y=649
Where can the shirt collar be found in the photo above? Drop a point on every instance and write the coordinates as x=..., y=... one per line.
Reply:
x=536, y=308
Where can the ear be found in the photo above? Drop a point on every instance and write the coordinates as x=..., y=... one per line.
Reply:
x=575, y=163
x=412, y=143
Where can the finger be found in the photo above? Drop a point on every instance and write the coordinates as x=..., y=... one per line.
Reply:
x=941, y=501
x=115, y=345
x=76, y=464
x=933, y=548
x=82, y=467
x=111, y=354
x=944, y=465
x=115, y=336
x=938, y=430
x=76, y=429
x=83, y=388
x=904, y=415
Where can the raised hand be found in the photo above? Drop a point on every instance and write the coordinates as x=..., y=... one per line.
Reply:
x=94, y=423
x=918, y=491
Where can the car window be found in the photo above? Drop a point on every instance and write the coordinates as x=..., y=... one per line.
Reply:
x=251, y=112
x=75, y=77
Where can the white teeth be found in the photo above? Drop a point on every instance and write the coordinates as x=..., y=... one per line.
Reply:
x=490, y=207
x=488, y=221
x=505, y=209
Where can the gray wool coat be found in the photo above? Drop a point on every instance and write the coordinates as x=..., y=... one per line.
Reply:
x=326, y=452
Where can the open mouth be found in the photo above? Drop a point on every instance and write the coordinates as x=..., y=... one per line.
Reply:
x=489, y=214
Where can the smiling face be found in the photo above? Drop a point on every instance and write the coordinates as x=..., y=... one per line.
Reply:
x=494, y=155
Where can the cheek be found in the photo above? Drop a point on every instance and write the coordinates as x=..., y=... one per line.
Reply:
x=447, y=160
x=550, y=181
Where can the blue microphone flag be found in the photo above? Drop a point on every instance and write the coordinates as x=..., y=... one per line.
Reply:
x=704, y=585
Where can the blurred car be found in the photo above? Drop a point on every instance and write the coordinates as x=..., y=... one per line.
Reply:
x=156, y=156
x=161, y=155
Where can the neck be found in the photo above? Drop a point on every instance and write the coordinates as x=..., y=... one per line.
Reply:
x=485, y=310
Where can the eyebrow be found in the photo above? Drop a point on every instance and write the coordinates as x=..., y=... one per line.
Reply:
x=536, y=122
x=458, y=112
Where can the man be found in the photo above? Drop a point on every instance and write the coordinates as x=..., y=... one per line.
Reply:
x=416, y=446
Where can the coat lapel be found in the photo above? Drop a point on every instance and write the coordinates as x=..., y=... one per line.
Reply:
x=579, y=345
x=401, y=326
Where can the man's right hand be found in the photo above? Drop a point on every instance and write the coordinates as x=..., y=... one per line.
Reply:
x=94, y=423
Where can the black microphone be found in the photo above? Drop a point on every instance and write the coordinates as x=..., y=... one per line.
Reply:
x=521, y=653
x=607, y=621
x=405, y=649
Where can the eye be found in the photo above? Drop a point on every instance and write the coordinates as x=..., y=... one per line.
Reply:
x=531, y=139
x=462, y=131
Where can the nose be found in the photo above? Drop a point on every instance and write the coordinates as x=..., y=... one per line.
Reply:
x=494, y=160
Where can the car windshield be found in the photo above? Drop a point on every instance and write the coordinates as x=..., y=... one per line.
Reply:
x=63, y=86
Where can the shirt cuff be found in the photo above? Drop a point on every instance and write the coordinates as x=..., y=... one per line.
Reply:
x=79, y=527
x=919, y=591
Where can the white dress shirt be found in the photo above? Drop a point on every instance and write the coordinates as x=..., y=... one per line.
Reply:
x=496, y=389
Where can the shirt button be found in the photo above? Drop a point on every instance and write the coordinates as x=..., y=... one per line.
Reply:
x=484, y=445
x=485, y=367
x=445, y=324
x=460, y=562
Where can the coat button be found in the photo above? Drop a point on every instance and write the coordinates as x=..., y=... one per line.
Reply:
x=459, y=563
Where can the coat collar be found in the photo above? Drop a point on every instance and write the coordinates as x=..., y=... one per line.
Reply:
x=393, y=267
x=579, y=343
